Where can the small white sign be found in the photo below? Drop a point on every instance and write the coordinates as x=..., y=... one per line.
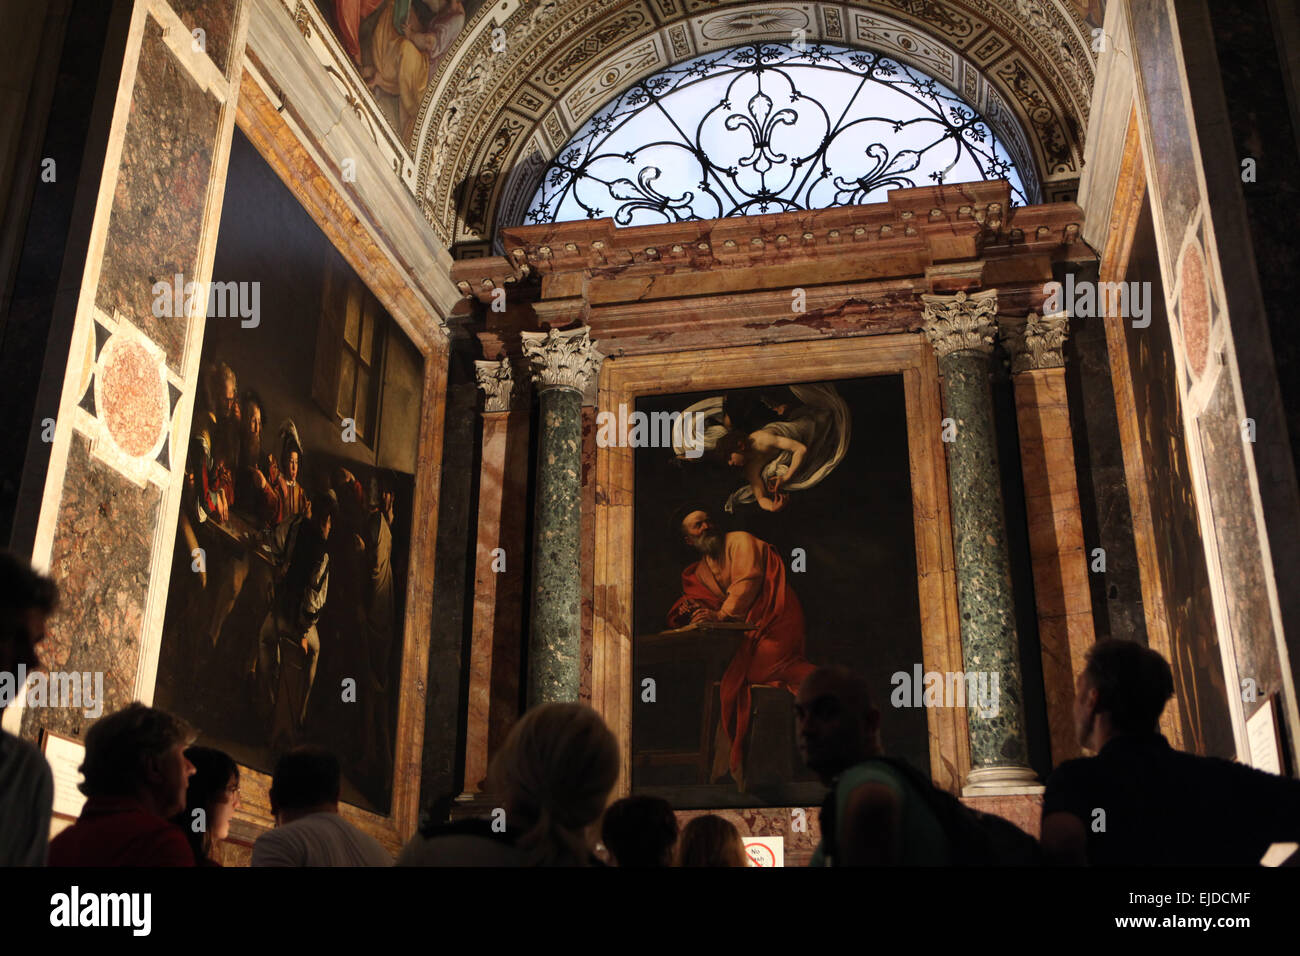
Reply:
x=65, y=756
x=1261, y=733
x=765, y=851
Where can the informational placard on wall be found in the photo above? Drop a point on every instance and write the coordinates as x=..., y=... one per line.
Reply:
x=65, y=756
x=765, y=851
x=1261, y=733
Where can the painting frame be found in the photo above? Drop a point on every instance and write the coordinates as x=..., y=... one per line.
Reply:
x=625, y=378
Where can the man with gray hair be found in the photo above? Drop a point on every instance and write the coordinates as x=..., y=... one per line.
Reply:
x=136, y=776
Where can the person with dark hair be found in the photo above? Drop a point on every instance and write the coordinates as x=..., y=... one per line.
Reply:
x=640, y=831
x=875, y=813
x=135, y=780
x=210, y=802
x=308, y=829
x=553, y=776
x=1139, y=801
x=712, y=840
x=27, y=598
x=302, y=546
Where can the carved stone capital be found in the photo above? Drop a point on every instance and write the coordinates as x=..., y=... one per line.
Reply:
x=961, y=322
x=498, y=384
x=561, y=359
x=1035, y=342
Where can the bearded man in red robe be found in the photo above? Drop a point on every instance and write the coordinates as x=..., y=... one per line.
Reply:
x=740, y=578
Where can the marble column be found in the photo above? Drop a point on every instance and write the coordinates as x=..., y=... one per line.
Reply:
x=961, y=328
x=1060, y=563
x=497, y=632
x=563, y=364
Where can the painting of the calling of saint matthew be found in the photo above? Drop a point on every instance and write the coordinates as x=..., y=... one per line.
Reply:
x=284, y=620
x=774, y=537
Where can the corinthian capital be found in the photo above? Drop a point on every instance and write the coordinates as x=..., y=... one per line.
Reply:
x=564, y=359
x=498, y=384
x=1036, y=342
x=961, y=322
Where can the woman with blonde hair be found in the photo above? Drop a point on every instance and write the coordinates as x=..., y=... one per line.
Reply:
x=553, y=776
x=712, y=841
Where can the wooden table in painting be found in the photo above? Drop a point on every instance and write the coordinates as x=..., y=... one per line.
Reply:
x=714, y=644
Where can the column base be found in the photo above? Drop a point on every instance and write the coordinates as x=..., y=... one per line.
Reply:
x=471, y=804
x=1001, y=781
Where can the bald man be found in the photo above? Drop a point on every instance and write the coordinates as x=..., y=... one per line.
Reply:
x=740, y=578
x=873, y=815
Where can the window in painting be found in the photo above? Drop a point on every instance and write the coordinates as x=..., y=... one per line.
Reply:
x=351, y=337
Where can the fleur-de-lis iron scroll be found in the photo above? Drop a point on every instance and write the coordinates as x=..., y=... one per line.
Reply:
x=766, y=127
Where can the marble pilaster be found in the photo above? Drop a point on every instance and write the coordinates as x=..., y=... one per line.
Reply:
x=497, y=630
x=961, y=329
x=1056, y=545
x=563, y=364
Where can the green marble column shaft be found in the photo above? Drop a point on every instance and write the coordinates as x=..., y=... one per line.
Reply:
x=961, y=328
x=562, y=364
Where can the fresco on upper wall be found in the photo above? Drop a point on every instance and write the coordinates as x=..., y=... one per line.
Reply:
x=397, y=46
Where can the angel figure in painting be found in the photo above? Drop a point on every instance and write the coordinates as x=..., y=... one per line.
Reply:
x=787, y=440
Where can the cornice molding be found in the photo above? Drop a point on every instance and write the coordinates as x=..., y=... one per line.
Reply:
x=492, y=119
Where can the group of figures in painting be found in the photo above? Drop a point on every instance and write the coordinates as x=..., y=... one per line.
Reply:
x=279, y=578
x=785, y=442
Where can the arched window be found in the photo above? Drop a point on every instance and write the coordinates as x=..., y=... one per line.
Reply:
x=768, y=127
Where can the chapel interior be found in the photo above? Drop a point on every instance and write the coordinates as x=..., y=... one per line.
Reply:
x=1004, y=281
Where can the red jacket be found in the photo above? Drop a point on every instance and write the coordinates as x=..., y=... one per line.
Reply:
x=119, y=831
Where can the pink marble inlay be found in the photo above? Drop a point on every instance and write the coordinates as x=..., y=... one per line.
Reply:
x=135, y=398
x=1194, y=309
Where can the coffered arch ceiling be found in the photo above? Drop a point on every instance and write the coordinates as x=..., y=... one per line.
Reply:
x=493, y=118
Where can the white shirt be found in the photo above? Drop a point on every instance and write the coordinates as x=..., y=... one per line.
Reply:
x=319, y=839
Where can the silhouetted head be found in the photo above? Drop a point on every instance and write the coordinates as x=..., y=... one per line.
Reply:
x=27, y=598
x=214, y=789
x=306, y=780
x=139, y=752
x=711, y=840
x=837, y=726
x=640, y=831
x=1123, y=690
x=555, y=772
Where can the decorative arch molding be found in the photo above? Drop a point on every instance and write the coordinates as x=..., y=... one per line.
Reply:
x=494, y=118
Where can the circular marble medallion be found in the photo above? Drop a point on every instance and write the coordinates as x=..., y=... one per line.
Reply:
x=134, y=397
